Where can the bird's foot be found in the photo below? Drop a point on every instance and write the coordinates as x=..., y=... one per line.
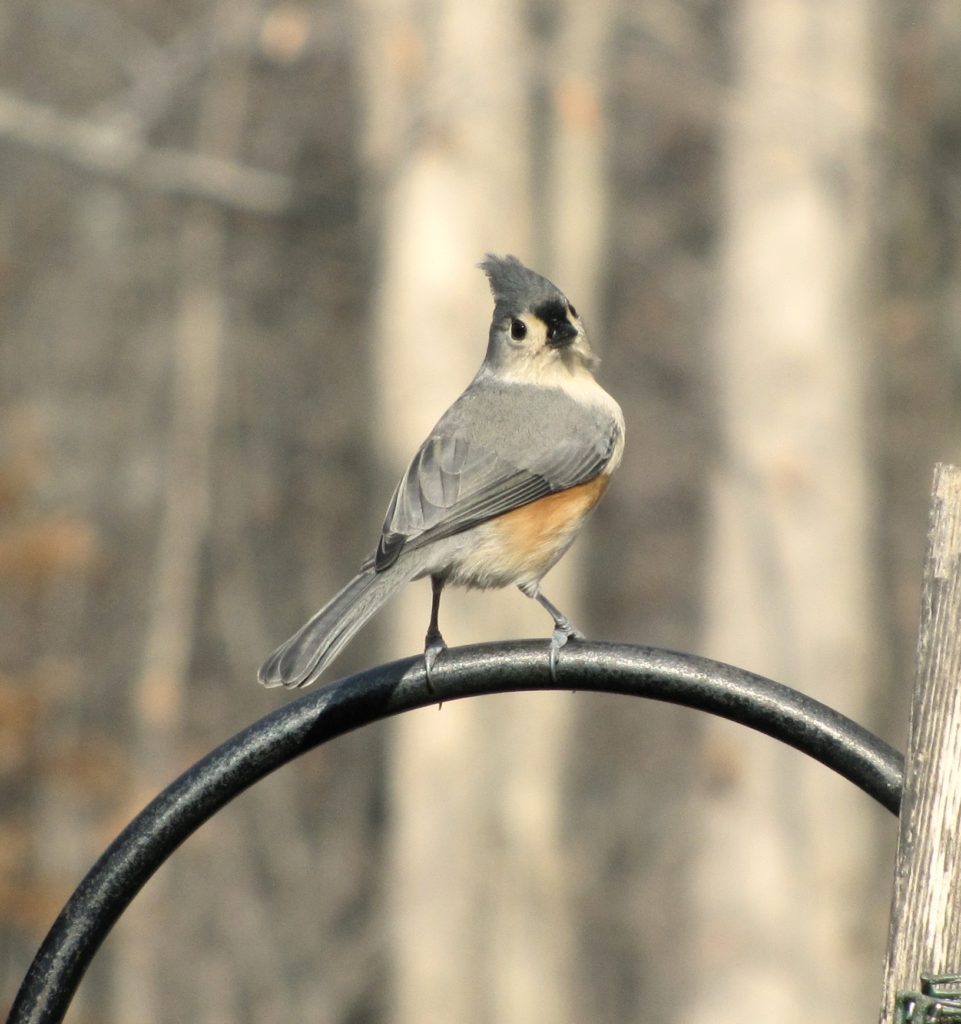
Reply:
x=433, y=645
x=563, y=631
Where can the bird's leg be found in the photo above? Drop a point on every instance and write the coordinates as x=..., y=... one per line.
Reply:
x=564, y=630
x=433, y=642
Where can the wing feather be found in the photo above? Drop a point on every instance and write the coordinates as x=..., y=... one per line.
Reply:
x=454, y=483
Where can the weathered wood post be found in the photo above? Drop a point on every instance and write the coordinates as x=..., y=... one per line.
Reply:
x=925, y=930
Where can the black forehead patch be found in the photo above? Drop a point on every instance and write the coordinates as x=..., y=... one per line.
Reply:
x=554, y=311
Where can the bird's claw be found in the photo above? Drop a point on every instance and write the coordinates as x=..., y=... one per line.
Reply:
x=435, y=646
x=562, y=633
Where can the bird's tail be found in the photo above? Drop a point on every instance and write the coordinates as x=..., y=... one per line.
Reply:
x=301, y=659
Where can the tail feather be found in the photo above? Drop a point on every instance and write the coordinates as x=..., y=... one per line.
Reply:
x=301, y=659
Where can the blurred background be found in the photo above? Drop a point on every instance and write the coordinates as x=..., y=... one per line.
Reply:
x=238, y=247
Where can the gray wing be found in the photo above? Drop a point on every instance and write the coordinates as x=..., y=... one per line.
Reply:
x=484, y=459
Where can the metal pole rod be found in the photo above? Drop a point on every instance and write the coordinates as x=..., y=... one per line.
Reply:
x=378, y=693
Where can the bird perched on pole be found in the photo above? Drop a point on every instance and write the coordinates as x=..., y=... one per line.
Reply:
x=500, y=488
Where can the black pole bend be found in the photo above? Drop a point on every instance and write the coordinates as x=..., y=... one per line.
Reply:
x=367, y=697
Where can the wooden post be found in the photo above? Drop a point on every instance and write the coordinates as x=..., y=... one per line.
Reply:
x=925, y=931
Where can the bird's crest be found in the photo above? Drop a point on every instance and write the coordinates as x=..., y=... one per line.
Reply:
x=514, y=287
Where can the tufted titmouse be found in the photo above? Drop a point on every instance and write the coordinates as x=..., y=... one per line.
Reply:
x=498, y=491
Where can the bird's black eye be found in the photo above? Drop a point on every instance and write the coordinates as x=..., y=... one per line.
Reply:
x=572, y=310
x=518, y=330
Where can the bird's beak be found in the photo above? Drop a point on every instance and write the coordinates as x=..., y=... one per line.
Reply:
x=561, y=335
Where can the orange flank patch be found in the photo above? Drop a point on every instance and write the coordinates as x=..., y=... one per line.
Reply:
x=536, y=531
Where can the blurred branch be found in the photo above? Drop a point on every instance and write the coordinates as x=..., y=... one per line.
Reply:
x=104, y=30
x=114, y=153
x=158, y=74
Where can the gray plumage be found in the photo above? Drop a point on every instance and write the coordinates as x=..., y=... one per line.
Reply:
x=470, y=469
x=302, y=658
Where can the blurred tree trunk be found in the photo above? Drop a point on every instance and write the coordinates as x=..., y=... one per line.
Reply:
x=919, y=326
x=786, y=929
x=159, y=693
x=479, y=889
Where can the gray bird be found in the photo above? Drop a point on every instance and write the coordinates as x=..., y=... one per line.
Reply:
x=500, y=488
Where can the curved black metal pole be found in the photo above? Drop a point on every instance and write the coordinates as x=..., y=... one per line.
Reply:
x=358, y=700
